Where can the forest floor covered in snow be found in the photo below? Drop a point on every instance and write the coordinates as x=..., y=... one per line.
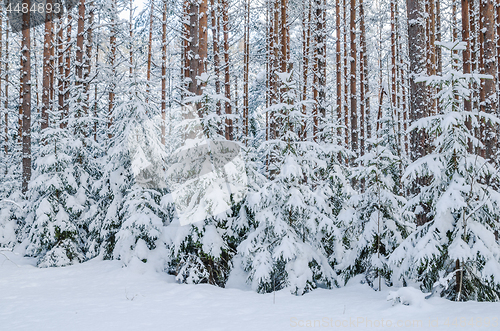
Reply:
x=102, y=295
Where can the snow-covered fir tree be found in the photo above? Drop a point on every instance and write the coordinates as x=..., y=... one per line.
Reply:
x=456, y=254
x=373, y=220
x=288, y=245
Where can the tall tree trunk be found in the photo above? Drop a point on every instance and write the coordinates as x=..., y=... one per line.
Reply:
x=164, y=72
x=227, y=81
x=246, y=63
x=79, y=43
x=112, y=43
x=1, y=74
x=489, y=85
x=466, y=59
x=364, y=105
x=306, y=40
x=150, y=50
x=354, y=106
x=215, y=41
x=439, y=52
x=26, y=98
x=47, y=69
x=320, y=52
x=67, y=71
x=131, y=36
x=88, y=64
x=346, y=80
x=6, y=102
x=60, y=75
x=393, y=65
x=416, y=50
x=338, y=63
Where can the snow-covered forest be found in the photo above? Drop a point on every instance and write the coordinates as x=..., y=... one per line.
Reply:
x=344, y=140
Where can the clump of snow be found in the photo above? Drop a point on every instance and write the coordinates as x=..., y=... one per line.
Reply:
x=408, y=296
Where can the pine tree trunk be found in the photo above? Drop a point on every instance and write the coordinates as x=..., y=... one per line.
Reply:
x=47, y=70
x=439, y=53
x=227, y=82
x=79, y=43
x=346, y=80
x=112, y=43
x=215, y=42
x=466, y=59
x=67, y=71
x=1, y=74
x=498, y=71
x=354, y=106
x=393, y=64
x=88, y=64
x=420, y=145
x=131, y=36
x=364, y=86
x=338, y=63
x=246, y=63
x=489, y=85
x=26, y=99
x=320, y=52
x=306, y=40
x=164, y=72
x=150, y=50
x=6, y=102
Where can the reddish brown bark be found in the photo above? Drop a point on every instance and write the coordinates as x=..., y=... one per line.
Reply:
x=26, y=99
x=227, y=83
x=354, y=106
x=246, y=63
x=47, y=70
x=150, y=50
x=111, y=94
x=164, y=72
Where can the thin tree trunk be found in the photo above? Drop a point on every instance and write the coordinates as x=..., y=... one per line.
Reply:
x=150, y=50
x=320, y=53
x=227, y=82
x=112, y=43
x=432, y=52
x=131, y=36
x=88, y=64
x=364, y=81
x=466, y=59
x=338, y=67
x=346, y=80
x=1, y=74
x=164, y=72
x=79, y=43
x=60, y=76
x=26, y=99
x=215, y=38
x=246, y=63
x=439, y=51
x=6, y=102
x=362, y=78
x=67, y=71
x=393, y=65
x=354, y=106
x=47, y=69
x=306, y=34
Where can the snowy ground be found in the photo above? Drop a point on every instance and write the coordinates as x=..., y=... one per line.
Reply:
x=101, y=295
